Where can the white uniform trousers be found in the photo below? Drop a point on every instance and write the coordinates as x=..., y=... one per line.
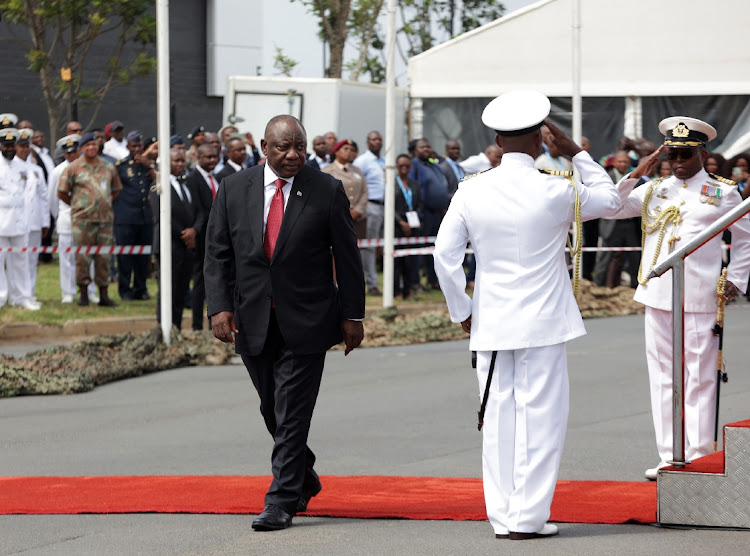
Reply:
x=14, y=271
x=523, y=434
x=68, y=267
x=701, y=352
x=34, y=240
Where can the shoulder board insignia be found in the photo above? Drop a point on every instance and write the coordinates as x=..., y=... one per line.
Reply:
x=561, y=173
x=657, y=180
x=468, y=177
x=722, y=179
x=119, y=162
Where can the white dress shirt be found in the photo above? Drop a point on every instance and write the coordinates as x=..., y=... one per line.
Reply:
x=269, y=189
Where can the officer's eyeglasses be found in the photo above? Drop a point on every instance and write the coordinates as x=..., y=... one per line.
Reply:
x=685, y=154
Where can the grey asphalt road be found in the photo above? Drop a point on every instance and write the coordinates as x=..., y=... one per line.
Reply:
x=407, y=410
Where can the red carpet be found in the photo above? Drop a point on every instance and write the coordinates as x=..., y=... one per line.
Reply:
x=353, y=497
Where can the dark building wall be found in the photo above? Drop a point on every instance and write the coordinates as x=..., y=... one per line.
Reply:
x=135, y=103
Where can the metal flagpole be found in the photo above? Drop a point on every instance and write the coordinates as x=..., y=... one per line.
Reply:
x=165, y=197
x=390, y=155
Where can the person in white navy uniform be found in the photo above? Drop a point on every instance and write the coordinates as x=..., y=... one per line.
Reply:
x=673, y=211
x=523, y=310
x=14, y=224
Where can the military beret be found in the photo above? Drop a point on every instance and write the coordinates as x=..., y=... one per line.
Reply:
x=134, y=136
x=176, y=140
x=195, y=131
x=86, y=138
x=685, y=133
x=516, y=113
x=340, y=144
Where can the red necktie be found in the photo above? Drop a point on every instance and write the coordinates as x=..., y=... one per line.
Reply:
x=275, y=215
x=213, y=185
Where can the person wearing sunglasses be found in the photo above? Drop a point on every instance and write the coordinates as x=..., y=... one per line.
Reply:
x=674, y=210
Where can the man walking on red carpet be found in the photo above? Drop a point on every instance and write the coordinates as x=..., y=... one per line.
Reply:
x=523, y=311
x=275, y=234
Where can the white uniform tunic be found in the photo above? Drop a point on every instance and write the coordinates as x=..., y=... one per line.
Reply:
x=14, y=229
x=702, y=270
x=517, y=220
x=37, y=205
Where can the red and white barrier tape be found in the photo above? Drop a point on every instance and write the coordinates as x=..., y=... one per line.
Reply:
x=146, y=249
x=86, y=250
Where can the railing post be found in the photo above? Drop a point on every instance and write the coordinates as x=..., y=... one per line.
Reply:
x=678, y=364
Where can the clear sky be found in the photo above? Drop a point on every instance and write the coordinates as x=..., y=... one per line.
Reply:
x=289, y=26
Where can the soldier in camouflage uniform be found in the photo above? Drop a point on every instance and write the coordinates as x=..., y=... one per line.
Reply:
x=90, y=185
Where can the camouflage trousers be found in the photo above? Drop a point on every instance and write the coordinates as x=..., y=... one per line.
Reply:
x=92, y=233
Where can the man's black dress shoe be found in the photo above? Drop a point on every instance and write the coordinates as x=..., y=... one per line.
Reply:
x=272, y=518
x=305, y=499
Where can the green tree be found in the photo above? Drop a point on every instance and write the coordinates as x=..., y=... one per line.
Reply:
x=333, y=18
x=426, y=23
x=61, y=35
x=283, y=63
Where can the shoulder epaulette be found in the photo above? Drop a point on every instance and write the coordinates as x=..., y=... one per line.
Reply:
x=657, y=180
x=723, y=180
x=561, y=173
x=468, y=177
x=120, y=161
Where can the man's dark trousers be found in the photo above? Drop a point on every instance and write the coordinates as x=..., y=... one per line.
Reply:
x=288, y=387
x=135, y=265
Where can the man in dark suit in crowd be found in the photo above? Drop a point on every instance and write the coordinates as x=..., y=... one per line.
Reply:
x=186, y=213
x=320, y=159
x=449, y=166
x=275, y=233
x=236, y=156
x=204, y=186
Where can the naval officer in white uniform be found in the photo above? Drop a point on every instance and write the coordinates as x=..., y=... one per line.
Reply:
x=673, y=211
x=517, y=220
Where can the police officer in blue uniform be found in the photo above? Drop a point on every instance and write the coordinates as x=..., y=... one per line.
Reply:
x=134, y=223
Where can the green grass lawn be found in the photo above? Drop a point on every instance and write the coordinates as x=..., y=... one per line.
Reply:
x=54, y=312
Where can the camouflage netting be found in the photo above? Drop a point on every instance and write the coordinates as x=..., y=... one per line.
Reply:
x=595, y=301
x=82, y=366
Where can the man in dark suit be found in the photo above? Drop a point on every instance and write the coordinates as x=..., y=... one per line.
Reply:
x=204, y=186
x=186, y=213
x=320, y=159
x=274, y=235
x=236, y=156
x=449, y=165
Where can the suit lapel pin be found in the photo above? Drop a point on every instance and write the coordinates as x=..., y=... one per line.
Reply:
x=299, y=193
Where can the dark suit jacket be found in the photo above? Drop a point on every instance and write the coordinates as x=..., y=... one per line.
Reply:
x=450, y=175
x=227, y=171
x=184, y=216
x=201, y=192
x=316, y=231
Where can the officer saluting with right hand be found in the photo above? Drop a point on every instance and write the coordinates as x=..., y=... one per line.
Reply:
x=523, y=311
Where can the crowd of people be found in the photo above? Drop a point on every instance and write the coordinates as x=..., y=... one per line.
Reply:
x=107, y=197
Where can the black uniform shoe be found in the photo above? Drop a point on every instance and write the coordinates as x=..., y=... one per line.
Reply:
x=305, y=500
x=272, y=518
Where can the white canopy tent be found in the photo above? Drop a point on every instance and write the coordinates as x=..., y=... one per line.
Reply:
x=649, y=57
